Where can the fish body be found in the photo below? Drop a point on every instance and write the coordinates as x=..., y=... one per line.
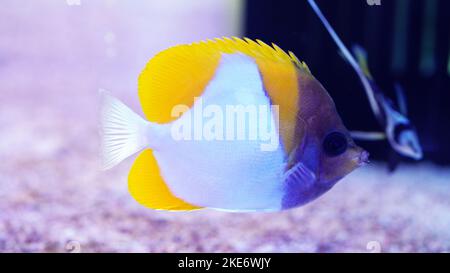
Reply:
x=398, y=129
x=189, y=158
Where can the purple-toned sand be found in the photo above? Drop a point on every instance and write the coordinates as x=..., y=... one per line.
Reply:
x=53, y=59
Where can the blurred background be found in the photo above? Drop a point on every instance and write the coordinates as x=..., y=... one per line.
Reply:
x=56, y=54
x=408, y=41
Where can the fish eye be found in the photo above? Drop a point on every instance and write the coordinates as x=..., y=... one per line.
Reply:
x=335, y=144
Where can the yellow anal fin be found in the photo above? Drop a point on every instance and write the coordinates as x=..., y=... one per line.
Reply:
x=148, y=187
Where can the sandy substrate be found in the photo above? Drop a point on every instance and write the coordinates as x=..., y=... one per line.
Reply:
x=60, y=205
x=54, y=199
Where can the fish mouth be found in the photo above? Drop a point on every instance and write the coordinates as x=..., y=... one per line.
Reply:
x=363, y=158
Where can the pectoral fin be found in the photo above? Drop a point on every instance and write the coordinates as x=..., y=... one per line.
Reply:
x=298, y=186
x=300, y=172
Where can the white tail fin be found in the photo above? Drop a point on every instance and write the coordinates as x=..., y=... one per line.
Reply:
x=123, y=131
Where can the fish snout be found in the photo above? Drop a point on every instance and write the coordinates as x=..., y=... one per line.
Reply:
x=359, y=157
x=363, y=158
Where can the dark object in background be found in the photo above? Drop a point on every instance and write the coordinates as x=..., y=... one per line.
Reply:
x=407, y=41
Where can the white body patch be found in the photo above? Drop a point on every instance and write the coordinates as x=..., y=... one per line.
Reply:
x=225, y=174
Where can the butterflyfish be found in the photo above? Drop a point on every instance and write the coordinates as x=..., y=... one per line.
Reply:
x=286, y=146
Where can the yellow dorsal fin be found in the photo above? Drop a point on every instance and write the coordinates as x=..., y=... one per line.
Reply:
x=148, y=187
x=178, y=74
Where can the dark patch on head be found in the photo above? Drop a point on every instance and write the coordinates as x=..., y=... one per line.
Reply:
x=324, y=146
